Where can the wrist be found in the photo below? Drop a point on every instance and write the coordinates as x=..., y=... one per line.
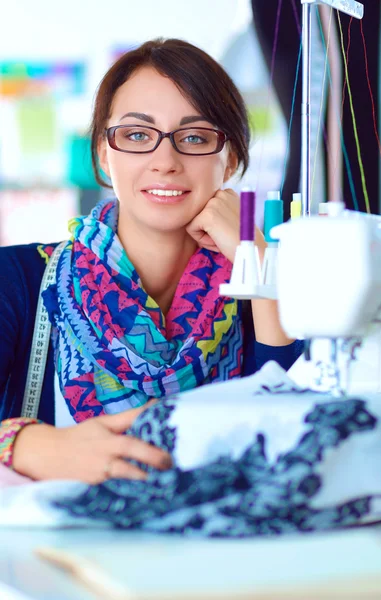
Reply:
x=9, y=431
x=268, y=329
x=26, y=439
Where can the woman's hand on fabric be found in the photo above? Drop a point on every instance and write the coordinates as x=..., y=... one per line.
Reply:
x=92, y=451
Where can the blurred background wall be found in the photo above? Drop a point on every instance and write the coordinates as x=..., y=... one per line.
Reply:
x=52, y=57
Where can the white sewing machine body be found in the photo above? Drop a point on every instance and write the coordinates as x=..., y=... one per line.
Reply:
x=329, y=291
x=329, y=275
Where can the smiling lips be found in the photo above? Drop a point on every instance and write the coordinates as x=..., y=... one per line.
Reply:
x=165, y=196
x=166, y=192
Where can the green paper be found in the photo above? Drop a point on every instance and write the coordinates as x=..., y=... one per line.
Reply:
x=37, y=123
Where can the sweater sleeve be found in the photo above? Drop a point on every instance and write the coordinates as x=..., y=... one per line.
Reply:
x=12, y=307
x=12, y=300
x=285, y=356
x=255, y=354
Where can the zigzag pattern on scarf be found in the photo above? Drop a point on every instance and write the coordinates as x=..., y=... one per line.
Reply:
x=114, y=348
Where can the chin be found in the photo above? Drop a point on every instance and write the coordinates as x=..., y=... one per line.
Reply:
x=165, y=221
x=169, y=226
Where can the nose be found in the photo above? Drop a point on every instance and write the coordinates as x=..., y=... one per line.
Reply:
x=165, y=159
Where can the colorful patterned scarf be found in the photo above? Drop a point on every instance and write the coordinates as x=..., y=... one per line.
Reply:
x=114, y=348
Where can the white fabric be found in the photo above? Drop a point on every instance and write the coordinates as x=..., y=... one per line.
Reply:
x=231, y=414
x=226, y=419
x=222, y=419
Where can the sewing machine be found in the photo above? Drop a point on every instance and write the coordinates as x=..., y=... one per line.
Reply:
x=328, y=285
x=324, y=271
x=329, y=290
x=328, y=276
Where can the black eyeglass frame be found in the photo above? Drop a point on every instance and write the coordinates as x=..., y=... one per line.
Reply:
x=222, y=138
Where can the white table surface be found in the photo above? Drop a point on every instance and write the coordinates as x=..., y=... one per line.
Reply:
x=345, y=565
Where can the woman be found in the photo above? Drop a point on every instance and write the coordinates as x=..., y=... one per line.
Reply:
x=136, y=311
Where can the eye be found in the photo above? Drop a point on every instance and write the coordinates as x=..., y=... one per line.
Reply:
x=132, y=138
x=129, y=138
x=137, y=136
x=194, y=139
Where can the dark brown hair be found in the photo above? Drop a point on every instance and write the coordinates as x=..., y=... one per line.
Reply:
x=200, y=78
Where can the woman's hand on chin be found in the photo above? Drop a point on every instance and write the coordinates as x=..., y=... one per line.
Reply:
x=216, y=227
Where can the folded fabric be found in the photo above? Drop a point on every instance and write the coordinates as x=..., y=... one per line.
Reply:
x=251, y=457
x=9, y=477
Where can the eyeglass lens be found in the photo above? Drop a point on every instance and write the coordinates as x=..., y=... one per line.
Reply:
x=143, y=139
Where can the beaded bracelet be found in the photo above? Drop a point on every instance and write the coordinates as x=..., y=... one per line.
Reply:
x=9, y=428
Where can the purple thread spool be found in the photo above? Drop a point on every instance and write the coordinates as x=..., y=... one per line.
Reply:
x=247, y=221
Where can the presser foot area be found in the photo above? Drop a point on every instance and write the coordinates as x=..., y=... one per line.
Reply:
x=340, y=367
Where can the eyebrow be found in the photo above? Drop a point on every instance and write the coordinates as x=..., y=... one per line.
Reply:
x=194, y=119
x=149, y=119
x=140, y=116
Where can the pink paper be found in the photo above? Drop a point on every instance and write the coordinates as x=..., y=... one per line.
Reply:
x=9, y=477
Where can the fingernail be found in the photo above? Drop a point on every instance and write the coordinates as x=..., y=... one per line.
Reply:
x=166, y=462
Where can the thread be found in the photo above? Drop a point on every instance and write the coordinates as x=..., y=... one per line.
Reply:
x=247, y=210
x=370, y=87
x=322, y=100
x=273, y=214
x=296, y=206
x=343, y=146
x=275, y=45
x=363, y=182
x=296, y=15
x=291, y=118
x=297, y=21
x=347, y=55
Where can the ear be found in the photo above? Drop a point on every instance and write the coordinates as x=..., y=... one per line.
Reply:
x=231, y=166
x=102, y=156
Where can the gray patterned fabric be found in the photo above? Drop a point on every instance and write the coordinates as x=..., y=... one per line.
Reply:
x=313, y=465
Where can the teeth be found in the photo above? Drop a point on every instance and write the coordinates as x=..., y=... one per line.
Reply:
x=165, y=192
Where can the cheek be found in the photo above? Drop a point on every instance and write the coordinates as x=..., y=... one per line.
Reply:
x=211, y=174
x=208, y=179
x=116, y=164
x=123, y=172
x=211, y=169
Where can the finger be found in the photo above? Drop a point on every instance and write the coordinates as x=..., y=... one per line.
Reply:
x=198, y=229
x=121, y=469
x=205, y=241
x=133, y=448
x=227, y=192
x=210, y=247
x=122, y=421
x=196, y=225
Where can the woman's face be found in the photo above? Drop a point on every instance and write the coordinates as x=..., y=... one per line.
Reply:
x=157, y=102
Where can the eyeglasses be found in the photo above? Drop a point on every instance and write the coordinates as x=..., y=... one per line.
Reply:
x=139, y=139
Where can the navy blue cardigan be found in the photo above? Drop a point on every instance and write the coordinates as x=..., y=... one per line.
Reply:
x=21, y=271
